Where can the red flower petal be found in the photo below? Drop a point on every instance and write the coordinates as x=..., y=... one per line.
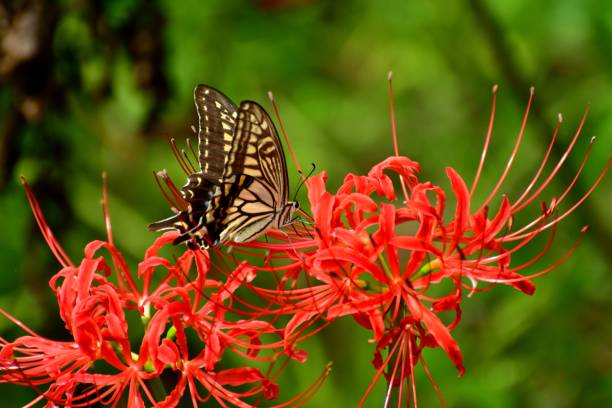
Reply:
x=239, y=376
x=439, y=332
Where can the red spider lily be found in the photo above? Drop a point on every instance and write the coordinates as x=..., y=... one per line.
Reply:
x=374, y=256
x=366, y=252
x=100, y=366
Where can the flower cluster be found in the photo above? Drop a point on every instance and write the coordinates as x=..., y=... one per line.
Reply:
x=383, y=249
x=183, y=319
x=378, y=247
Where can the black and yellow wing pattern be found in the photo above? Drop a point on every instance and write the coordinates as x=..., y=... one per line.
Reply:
x=241, y=189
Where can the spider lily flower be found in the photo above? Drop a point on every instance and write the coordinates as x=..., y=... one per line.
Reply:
x=186, y=332
x=376, y=247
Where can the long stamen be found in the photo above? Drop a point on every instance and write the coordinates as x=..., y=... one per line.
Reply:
x=179, y=157
x=514, y=150
x=432, y=381
x=557, y=166
x=379, y=372
x=284, y=132
x=567, y=212
x=391, y=381
x=188, y=162
x=539, y=172
x=192, y=149
x=411, y=375
x=392, y=109
x=54, y=245
x=175, y=198
x=105, y=214
x=569, y=252
x=485, y=148
x=310, y=391
x=19, y=324
x=575, y=179
x=394, y=129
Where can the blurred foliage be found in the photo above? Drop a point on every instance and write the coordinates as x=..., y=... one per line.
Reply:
x=98, y=86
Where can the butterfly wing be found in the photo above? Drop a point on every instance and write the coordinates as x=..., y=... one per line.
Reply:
x=256, y=163
x=216, y=122
x=241, y=189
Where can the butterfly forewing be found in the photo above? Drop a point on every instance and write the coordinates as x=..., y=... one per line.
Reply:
x=216, y=122
x=257, y=153
x=260, y=152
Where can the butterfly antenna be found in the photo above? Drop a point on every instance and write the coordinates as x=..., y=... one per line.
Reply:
x=297, y=190
x=284, y=132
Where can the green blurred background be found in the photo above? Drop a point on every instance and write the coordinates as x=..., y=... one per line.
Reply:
x=98, y=86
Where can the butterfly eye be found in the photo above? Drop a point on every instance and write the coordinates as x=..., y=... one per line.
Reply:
x=296, y=205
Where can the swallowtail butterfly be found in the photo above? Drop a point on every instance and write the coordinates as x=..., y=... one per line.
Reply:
x=240, y=190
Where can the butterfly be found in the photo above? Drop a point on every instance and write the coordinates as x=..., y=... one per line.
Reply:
x=241, y=188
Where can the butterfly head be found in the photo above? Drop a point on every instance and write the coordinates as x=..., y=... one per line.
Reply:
x=286, y=215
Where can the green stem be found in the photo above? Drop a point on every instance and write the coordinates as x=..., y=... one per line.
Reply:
x=425, y=270
x=385, y=266
x=158, y=389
